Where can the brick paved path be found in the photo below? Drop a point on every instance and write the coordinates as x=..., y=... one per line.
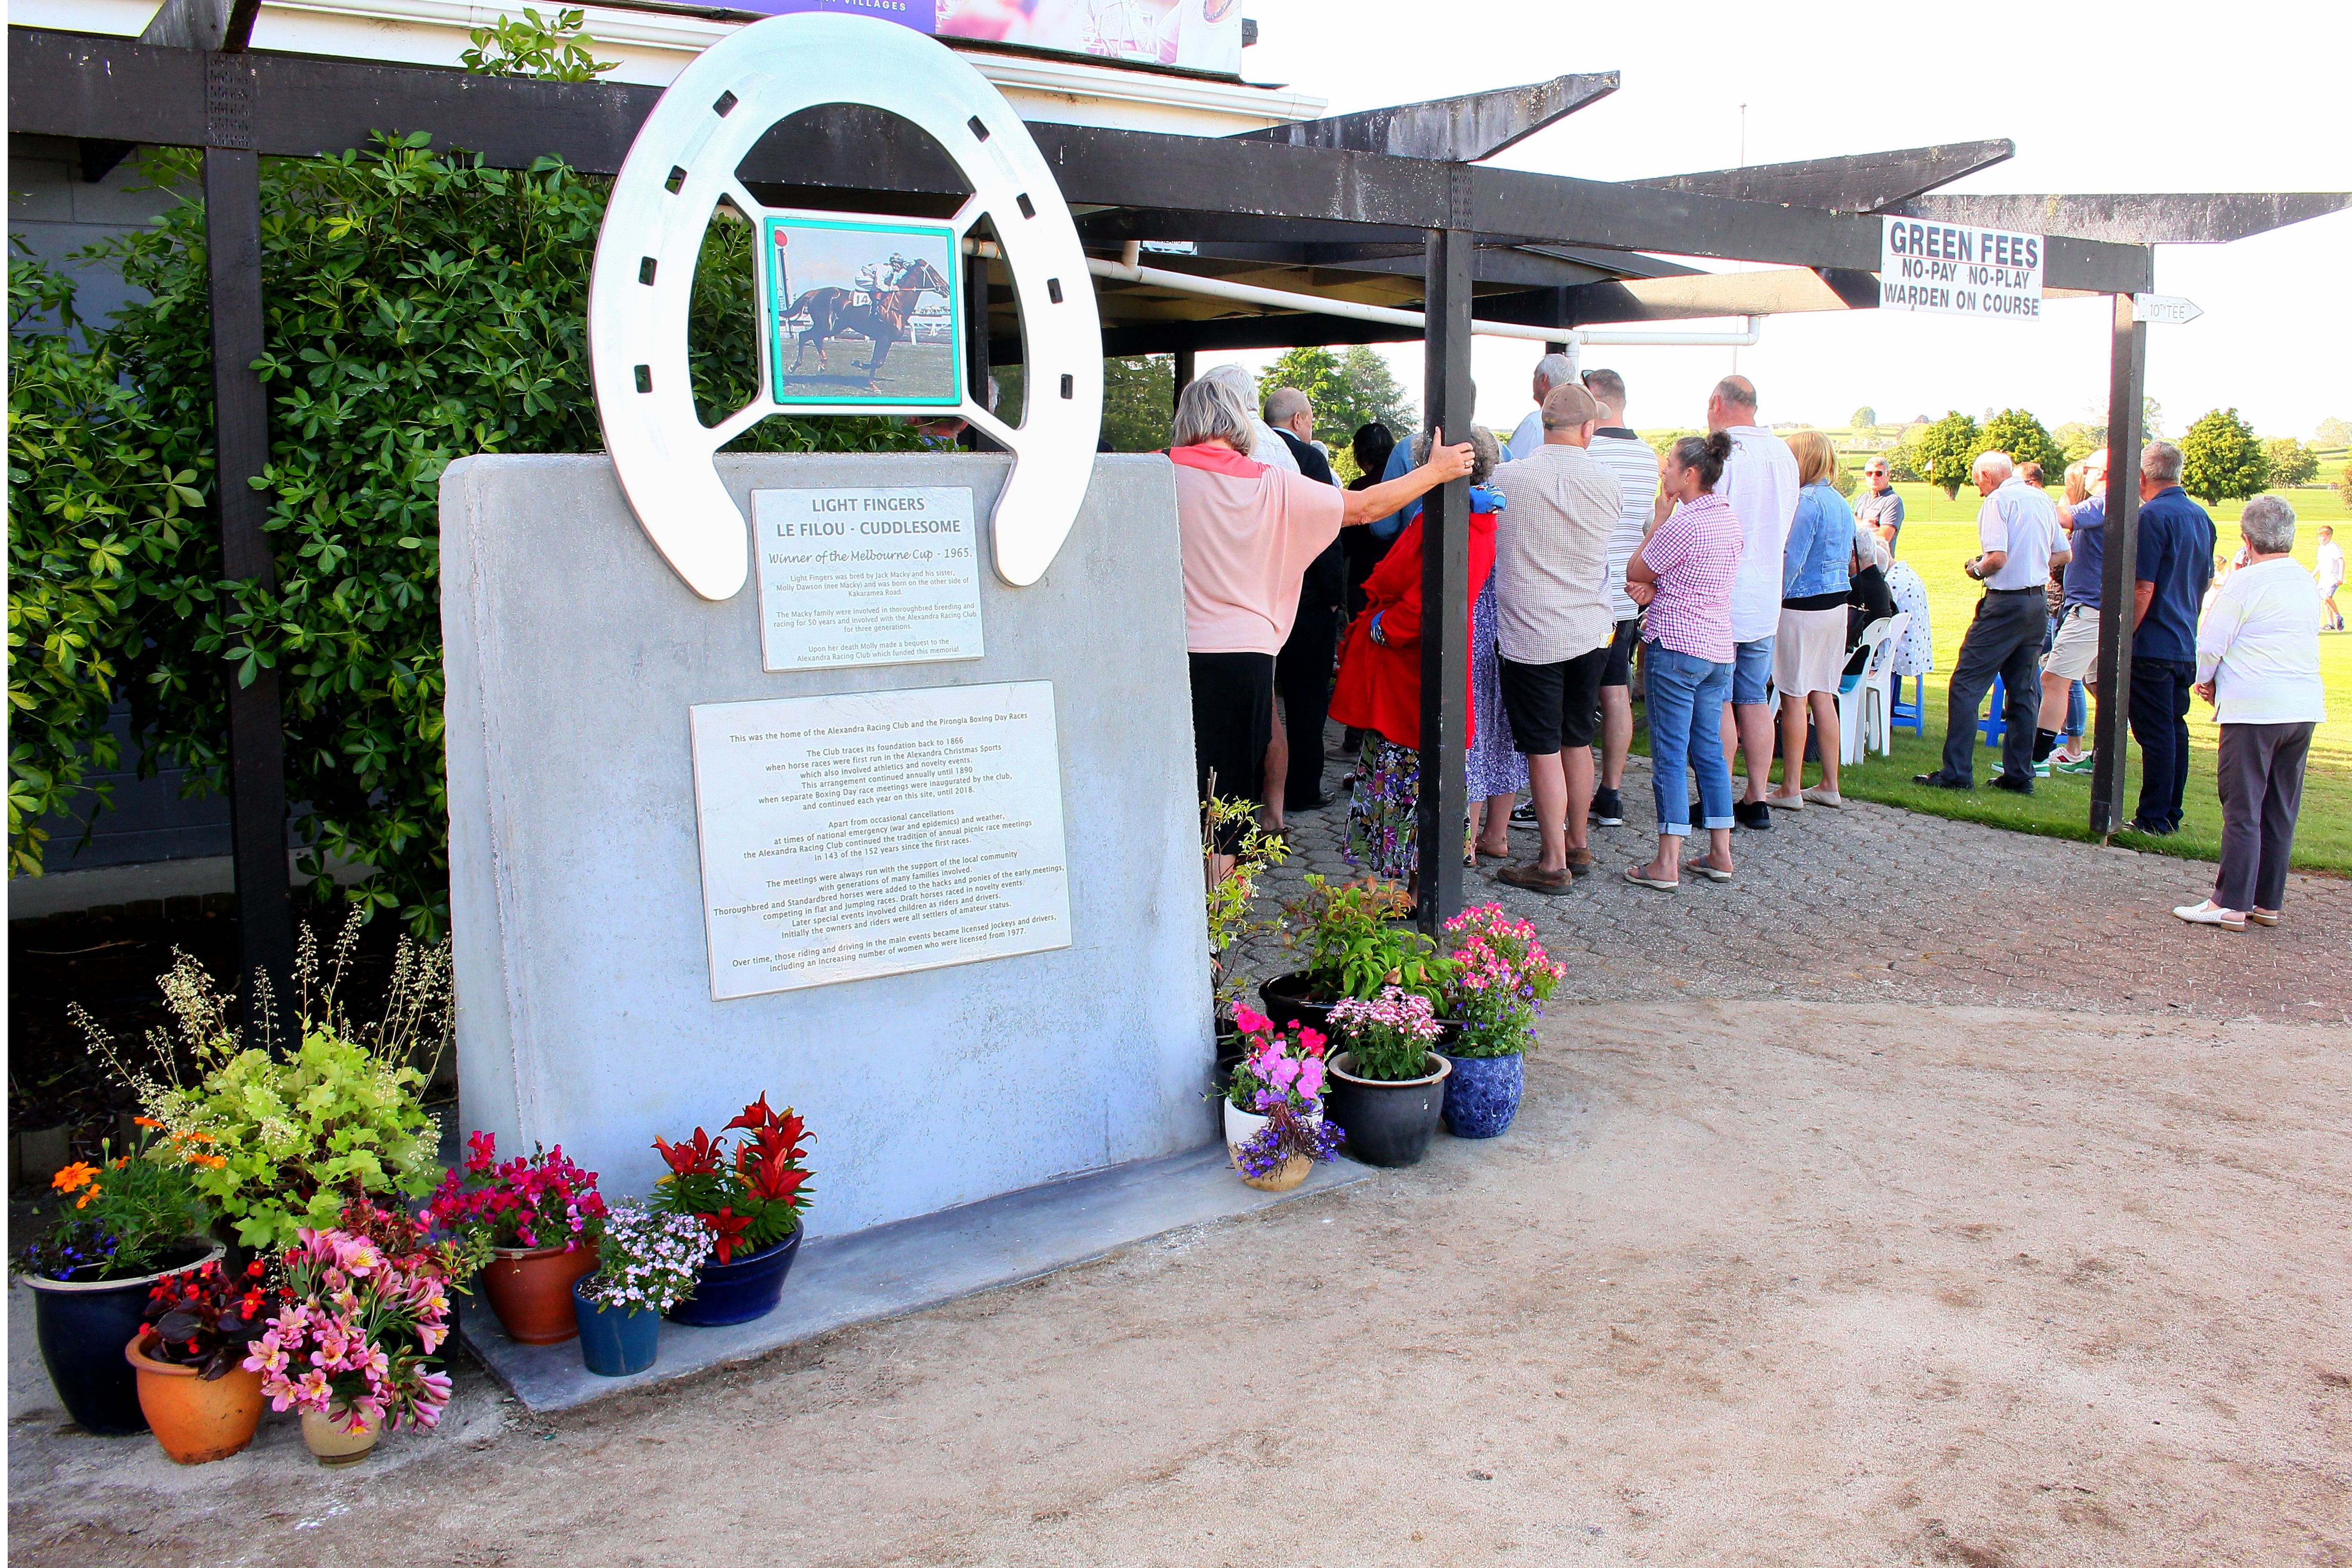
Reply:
x=1875, y=903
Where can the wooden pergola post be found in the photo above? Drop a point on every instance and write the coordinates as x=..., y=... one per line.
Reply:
x=256, y=736
x=2118, y=574
x=1444, y=576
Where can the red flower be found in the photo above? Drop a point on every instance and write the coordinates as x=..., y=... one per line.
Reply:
x=755, y=1115
x=773, y=1181
x=726, y=1226
x=698, y=1158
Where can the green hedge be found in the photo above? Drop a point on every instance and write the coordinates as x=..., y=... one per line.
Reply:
x=420, y=307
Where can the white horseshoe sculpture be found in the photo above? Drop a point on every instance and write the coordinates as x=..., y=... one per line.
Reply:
x=684, y=160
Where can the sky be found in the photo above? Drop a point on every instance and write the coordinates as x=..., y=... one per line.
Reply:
x=2096, y=98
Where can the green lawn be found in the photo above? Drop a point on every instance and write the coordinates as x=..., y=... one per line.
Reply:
x=1935, y=542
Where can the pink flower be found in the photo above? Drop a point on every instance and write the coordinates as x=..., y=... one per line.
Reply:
x=1311, y=1078
x=1250, y=1023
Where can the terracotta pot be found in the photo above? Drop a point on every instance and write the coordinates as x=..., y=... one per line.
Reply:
x=1241, y=1126
x=332, y=1444
x=531, y=1291
x=196, y=1421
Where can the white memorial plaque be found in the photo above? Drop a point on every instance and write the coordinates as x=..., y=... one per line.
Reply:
x=867, y=576
x=876, y=832
x=1959, y=269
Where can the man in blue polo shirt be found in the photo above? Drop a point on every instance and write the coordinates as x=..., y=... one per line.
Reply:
x=2175, y=563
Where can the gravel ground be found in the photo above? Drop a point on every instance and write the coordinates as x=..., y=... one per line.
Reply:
x=2032, y=1248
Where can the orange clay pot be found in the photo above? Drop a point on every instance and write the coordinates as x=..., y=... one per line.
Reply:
x=198, y=1422
x=531, y=1291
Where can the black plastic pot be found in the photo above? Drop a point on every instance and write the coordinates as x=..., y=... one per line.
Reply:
x=81, y=1327
x=1286, y=998
x=1386, y=1123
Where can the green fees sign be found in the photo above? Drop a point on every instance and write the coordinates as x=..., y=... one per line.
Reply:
x=1959, y=269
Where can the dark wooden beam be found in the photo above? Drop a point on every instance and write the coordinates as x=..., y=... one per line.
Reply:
x=2160, y=218
x=72, y=85
x=257, y=735
x=1444, y=804
x=2120, y=567
x=1461, y=130
x=1780, y=290
x=1857, y=183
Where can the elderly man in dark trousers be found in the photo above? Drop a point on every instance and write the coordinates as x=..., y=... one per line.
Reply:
x=2016, y=524
x=2175, y=562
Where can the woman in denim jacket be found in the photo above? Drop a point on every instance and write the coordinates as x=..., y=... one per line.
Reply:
x=1809, y=654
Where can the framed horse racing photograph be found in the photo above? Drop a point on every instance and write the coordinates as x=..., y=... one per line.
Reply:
x=860, y=311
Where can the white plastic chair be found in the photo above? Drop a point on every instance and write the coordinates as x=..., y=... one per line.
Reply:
x=1856, y=691
x=1878, y=692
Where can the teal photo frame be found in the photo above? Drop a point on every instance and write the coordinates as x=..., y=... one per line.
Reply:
x=860, y=311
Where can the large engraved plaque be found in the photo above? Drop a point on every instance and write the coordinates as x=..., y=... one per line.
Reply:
x=874, y=833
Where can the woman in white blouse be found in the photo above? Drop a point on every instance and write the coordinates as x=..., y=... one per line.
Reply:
x=2258, y=664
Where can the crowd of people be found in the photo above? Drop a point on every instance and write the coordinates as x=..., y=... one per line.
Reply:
x=1732, y=567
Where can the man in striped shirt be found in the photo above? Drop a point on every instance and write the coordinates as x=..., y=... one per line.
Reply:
x=1630, y=461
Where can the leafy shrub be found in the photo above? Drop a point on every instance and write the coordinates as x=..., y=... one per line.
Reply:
x=1354, y=947
x=418, y=307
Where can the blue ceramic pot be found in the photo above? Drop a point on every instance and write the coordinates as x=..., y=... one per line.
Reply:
x=81, y=1328
x=747, y=1286
x=615, y=1342
x=1482, y=1094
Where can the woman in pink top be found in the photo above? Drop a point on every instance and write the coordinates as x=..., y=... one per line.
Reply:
x=1683, y=573
x=1247, y=533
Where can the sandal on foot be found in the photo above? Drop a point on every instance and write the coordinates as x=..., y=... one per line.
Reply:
x=2209, y=913
x=1701, y=868
x=1634, y=875
x=2263, y=917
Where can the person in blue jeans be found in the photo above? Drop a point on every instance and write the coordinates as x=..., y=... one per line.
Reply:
x=1683, y=574
x=2175, y=565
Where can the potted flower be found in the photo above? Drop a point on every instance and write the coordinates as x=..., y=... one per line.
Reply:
x=1389, y=1085
x=201, y=1401
x=354, y=1349
x=539, y=1216
x=749, y=1200
x=125, y=1222
x=288, y=1133
x=1275, y=1126
x=648, y=1263
x=1503, y=978
x=1354, y=943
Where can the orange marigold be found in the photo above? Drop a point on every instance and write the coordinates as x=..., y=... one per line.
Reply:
x=74, y=1177
x=144, y=1121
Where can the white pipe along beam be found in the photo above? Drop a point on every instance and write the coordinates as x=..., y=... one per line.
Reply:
x=1250, y=294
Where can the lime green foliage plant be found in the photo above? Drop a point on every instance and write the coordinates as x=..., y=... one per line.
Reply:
x=418, y=307
x=2221, y=459
x=1354, y=944
x=280, y=1144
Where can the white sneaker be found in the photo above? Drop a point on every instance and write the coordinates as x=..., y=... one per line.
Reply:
x=2209, y=913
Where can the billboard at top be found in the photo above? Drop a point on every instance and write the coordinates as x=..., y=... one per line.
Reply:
x=1195, y=34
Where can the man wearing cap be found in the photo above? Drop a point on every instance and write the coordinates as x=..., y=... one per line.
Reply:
x=1553, y=624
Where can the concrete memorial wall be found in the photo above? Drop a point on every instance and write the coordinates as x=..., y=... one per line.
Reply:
x=905, y=848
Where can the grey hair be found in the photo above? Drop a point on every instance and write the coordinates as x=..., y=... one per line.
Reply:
x=2160, y=461
x=2268, y=525
x=1285, y=403
x=1213, y=410
x=1555, y=370
x=1235, y=376
x=2000, y=465
x=1485, y=452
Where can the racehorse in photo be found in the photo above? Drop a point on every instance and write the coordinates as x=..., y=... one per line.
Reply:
x=881, y=318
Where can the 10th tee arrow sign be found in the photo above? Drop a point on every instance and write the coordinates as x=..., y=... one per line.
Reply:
x=2165, y=310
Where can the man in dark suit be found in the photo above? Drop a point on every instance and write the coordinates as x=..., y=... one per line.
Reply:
x=1302, y=670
